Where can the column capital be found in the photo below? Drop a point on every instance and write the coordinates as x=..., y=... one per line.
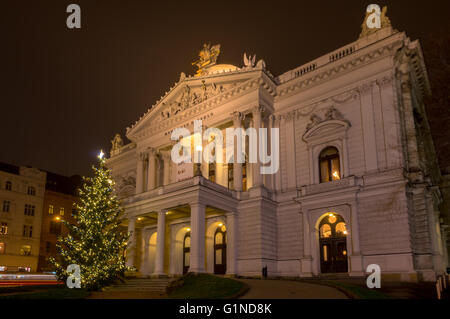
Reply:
x=165, y=155
x=237, y=118
x=141, y=156
x=257, y=109
x=151, y=151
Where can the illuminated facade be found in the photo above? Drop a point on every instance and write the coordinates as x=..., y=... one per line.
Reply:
x=357, y=178
x=21, y=198
x=60, y=195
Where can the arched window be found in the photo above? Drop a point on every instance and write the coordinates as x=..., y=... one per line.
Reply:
x=31, y=191
x=329, y=165
x=8, y=186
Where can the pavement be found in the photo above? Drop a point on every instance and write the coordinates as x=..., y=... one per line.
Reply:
x=286, y=289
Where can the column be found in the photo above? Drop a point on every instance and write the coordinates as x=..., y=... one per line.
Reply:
x=140, y=173
x=237, y=167
x=160, y=242
x=368, y=124
x=166, y=159
x=257, y=116
x=151, y=175
x=356, y=262
x=277, y=177
x=231, y=243
x=131, y=246
x=291, y=179
x=197, y=238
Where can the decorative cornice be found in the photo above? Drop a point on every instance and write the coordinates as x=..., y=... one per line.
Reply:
x=301, y=83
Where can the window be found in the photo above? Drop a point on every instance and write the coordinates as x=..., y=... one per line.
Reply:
x=31, y=191
x=25, y=250
x=3, y=228
x=55, y=227
x=329, y=165
x=6, y=205
x=61, y=211
x=2, y=248
x=27, y=231
x=50, y=209
x=230, y=175
x=48, y=246
x=29, y=210
x=212, y=172
x=325, y=231
x=8, y=186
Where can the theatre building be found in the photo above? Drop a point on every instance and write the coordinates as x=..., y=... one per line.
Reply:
x=356, y=185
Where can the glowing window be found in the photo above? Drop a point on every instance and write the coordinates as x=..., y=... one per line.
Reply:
x=341, y=230
x=25, y=250
x=2, y=248
x=187, y=242
x=329, y=165
x=61, y=211
x=50, y=209
x=219, y=238
x=3, y=228
x=325, y=231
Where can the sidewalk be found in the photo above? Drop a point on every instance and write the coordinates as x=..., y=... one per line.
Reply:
x=286, y=289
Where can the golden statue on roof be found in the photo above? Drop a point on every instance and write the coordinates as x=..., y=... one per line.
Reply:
x=207, y=57
x=374, y=20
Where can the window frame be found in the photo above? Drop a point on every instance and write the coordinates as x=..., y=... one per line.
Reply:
x=31, y=190
x=329, y=162
x=6, y=207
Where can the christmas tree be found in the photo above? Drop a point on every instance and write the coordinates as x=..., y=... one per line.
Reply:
x=94, y=242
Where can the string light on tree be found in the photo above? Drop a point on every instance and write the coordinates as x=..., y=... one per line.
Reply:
x=94, y=242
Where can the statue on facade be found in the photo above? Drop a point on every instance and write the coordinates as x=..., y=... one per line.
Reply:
x=117, y=143
x=315, y=119
x=249, y=62
x=374, y=20
x=207, y=57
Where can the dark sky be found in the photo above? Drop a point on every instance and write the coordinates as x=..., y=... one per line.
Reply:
x=65, y=93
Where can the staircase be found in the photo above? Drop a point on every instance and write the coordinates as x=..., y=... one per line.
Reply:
x=144, y=286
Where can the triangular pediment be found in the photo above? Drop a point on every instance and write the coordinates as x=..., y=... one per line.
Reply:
x=190, y=92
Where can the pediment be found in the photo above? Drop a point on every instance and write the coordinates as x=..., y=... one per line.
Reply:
x=333, y=124
x=190, y=92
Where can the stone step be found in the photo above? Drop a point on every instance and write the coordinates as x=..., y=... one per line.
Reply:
x=156, y=285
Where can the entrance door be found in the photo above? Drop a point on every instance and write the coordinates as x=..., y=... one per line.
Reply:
x=186, y=252
x=220, y=250
x=333, y=244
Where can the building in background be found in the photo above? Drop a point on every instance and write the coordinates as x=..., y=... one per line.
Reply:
x=21, y=201
x=60, y=195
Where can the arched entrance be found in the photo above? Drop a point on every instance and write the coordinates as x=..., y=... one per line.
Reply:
x=220, y=250
x=186, y=252
x=333, y=244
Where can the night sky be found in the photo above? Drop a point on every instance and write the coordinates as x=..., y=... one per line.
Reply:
x=66, y=92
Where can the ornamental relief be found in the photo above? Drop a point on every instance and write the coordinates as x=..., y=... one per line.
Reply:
x=329, y=114
x=190, y=97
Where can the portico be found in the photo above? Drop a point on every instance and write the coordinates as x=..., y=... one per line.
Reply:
x=159, y=221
